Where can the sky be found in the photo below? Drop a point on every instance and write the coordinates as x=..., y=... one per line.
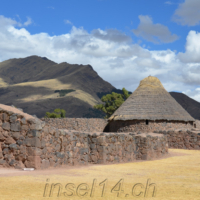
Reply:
x=123, y=40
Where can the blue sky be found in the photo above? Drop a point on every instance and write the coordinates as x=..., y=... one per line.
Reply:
x=51, y=17
x=124, y=40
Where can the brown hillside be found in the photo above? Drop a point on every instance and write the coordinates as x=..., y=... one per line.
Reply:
x=30, y=83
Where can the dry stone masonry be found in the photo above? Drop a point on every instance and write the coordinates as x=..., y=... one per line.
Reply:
x=183, y=139
x=147, y=126
x=26, y=141
x=78, y=124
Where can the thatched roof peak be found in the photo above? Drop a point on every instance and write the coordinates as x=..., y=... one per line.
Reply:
x=150, y=101
x=151, y=81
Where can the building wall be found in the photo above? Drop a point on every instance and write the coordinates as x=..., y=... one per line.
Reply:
x=33, y=143
x=141, y=126
x=78, y=124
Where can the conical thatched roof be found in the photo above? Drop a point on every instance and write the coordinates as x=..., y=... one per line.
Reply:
x=150, y=101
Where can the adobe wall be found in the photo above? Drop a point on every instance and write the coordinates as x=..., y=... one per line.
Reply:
x=78, y=124
x=26, y=141
x=141, y=126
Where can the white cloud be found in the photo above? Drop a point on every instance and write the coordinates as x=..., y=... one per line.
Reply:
x=192, y=54
x=111, y=53
x=28, y=22
x=68, y=22
x=188, y=13
x=195, y=94
x=156, y=33
x=7, y=22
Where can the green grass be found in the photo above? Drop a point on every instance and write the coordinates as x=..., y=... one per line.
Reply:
x=62, y=93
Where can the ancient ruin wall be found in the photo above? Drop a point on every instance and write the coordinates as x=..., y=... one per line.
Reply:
x=146, y=126
x=27, y=142
x=183, y=139
x=78, y=124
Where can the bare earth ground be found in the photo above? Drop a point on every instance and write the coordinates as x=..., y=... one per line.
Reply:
x=177, y=176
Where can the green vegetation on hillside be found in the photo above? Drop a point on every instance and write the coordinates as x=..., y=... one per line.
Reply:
x=112, y=102
x=62, y=93
x=57, y=113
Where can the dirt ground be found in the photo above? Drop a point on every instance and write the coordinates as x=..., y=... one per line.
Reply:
x=176, y=176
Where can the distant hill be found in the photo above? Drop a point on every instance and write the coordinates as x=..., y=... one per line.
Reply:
x=189, y=104
x=38, y=85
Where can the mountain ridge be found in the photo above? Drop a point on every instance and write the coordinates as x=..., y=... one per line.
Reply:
x=30, y=83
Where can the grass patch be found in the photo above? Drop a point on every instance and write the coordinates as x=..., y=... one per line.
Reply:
x=62, y=93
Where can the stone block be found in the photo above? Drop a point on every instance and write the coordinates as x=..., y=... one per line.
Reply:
x=13, y=146
x=12, y=162
x=34, y=133
x=83, y=151
x=23, y=121
x=45, y=164
x=37, y=126
x=24, y=127
x=43, y=143
x=16, y=126
x=19, y=165
x=13, y=118
x=2, y=138
x=144, y=157
x=6, y=126
x=33, y=142
x=94, y=158
x=60, y=155
x=2, y=162
x=10, y=140
x=16, y=135
x=4, y=117
x=33, y=162
x=57, y=147
x=34, y=151
x=93, y=146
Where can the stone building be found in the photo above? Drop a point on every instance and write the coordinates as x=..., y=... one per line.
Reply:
x=149, y=108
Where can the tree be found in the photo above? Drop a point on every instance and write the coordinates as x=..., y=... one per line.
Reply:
x=112, y=102
x=58, y=113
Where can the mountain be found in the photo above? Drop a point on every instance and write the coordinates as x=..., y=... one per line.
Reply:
x=38, y=85
x=189, y=104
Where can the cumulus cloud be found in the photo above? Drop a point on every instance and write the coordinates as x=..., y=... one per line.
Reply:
x=192, y=47
x=6, y=22
x=156, y=33
x=115, y=57
x=188, y=13
x=111, y=35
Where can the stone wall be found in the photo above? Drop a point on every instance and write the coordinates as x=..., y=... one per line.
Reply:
x=78, y=124
x=183, y=139
x=123, y=147
x=146, y=126
x=26, y=141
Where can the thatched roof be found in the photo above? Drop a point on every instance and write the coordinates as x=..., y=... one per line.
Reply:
x=150, y=101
